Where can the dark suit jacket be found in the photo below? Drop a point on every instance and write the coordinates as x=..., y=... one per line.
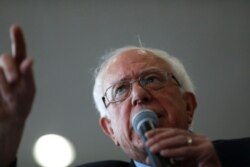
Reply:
x=109, y=163
x=232, y=153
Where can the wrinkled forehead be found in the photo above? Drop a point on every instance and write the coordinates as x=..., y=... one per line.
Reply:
x=131, y=63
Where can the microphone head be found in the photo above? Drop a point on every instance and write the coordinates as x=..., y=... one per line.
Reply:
x=146, y=115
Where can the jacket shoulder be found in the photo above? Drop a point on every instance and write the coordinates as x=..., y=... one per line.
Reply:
x=108, y=163
x=233, y=152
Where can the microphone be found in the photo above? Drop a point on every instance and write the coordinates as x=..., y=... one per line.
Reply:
x=142, y=122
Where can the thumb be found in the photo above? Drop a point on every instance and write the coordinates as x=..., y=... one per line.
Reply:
x=26, y=68
x=27, y=78
x=147, y=160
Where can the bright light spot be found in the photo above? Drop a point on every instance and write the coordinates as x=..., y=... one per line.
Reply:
x=53, y=151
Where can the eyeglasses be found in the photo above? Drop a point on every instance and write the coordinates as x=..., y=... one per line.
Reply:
x=151, y=80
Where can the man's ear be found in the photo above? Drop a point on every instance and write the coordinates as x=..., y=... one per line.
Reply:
x=191, y=105
x=105, y=124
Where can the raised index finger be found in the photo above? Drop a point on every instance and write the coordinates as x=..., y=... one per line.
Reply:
x=18, y=44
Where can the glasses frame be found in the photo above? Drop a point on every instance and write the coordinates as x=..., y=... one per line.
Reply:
x=105, y=99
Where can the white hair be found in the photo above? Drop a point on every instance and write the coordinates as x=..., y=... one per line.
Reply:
x=176, y=66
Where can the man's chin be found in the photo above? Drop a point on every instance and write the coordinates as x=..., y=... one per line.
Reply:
x=138, y=153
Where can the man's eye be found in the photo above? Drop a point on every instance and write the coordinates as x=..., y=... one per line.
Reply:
x=152, y=79
x=119, y=90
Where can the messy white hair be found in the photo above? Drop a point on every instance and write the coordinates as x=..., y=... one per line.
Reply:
x=176, y=66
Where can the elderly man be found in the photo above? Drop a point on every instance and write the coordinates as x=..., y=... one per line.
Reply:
x=131, y=79
x=135, y=78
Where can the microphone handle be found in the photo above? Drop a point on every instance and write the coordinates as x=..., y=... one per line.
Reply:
x=156, y=159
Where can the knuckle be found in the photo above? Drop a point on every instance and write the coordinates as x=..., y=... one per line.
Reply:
x=173, y=131
x=5, y=58
x=10, y=99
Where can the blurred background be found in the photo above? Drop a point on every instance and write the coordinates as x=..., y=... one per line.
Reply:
x=67, y=38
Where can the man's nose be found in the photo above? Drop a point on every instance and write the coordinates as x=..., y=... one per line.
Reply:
x=139, y=95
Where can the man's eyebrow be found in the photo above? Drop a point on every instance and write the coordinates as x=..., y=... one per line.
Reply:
x=152, y=69
x=125, y=78
x=144, y=71
x=122, y=79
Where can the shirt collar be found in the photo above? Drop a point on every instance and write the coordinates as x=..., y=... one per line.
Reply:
x=139, y=164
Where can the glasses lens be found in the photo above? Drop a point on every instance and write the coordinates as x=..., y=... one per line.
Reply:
x=153, y=81
x=118, y=91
